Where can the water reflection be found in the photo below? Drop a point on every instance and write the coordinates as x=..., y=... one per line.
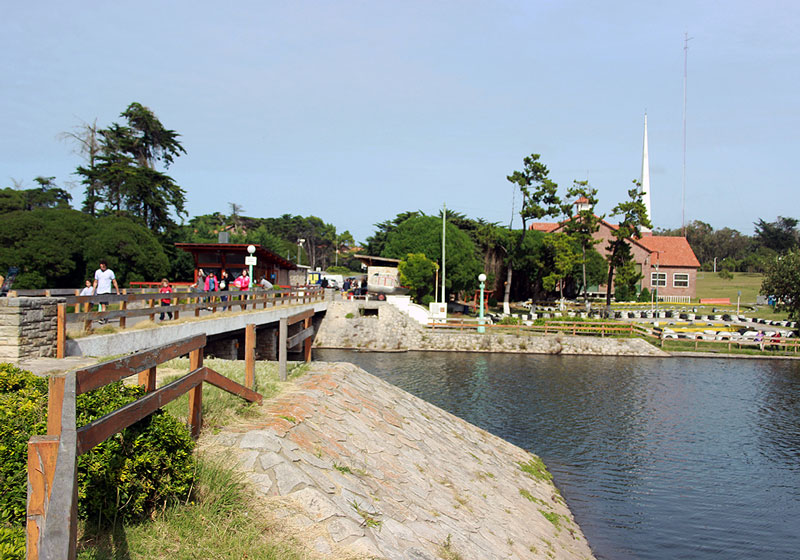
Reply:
x=657, y=458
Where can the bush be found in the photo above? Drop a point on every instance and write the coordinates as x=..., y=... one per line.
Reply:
x=509, y=320
x=127, y=477
x=725, y=274
x=644, y=296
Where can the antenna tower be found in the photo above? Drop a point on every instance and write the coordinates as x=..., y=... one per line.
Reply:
x=686, y=39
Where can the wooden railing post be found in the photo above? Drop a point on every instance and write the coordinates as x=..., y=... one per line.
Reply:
x=55, y=403
x=307, y=342
x=283, y=332
x=196, y=395
x=152, y=306
x=123, y=307
x=61, y=330
x=42, y=456
x=250, y=356
x=147, y=379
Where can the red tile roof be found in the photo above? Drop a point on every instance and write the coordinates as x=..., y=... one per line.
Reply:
x=671, y=251
x=546, y=227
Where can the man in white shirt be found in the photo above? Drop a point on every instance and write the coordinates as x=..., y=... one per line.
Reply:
x=103, y=279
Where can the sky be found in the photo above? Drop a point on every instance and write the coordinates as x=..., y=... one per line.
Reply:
x=355, y=111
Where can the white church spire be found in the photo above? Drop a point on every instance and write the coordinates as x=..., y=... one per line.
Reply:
x=645, y=188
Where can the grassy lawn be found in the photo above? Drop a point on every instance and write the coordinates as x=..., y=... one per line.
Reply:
x=221, y=519
x=710, y=285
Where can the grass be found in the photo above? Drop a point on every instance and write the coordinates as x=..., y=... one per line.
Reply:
x=446, y=551
x=220, y=408
x=221, y=520
x=536, y=469
x=710, y=285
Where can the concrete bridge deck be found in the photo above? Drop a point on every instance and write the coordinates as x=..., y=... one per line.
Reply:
x=216, y=325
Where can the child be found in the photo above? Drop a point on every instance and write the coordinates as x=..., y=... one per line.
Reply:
x=88, y=289
x=165, y=289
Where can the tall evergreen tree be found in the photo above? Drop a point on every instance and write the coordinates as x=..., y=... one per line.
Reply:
x=124, y=179
x=633, y=217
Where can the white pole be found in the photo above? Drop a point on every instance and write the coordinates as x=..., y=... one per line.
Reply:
x=444, y=221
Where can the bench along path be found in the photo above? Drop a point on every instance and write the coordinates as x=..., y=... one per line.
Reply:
x=360, y=466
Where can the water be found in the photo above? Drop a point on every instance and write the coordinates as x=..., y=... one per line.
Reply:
x=657, y=458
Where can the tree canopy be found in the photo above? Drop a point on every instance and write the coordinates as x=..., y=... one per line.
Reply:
x=423, y=234
x=782, y=280
x=124, y=180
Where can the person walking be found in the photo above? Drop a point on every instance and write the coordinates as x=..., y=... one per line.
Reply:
x=223, y=287
x=165, y=289
x=103, y=280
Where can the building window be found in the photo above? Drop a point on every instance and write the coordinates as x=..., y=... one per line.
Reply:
x=658, y=279
x=680, y=280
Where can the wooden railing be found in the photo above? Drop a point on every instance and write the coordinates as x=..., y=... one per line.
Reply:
x=52, y=459
x=551, y=327
x=147, y=304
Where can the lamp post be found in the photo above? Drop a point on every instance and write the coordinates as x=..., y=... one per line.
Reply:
x=299, y=245
x=481, y=327
x=251, y=249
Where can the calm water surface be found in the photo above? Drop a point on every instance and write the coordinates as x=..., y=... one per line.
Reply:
x=657, y=458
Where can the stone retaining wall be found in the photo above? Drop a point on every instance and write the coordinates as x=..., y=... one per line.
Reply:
x=359, y=467
x=28, y=327
x=380, y=326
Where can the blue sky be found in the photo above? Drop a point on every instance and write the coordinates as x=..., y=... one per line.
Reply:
x=355, y=111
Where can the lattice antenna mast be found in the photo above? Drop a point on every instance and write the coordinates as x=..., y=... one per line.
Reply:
x=686, y=40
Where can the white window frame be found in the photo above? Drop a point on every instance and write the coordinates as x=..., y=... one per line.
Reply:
x=676, y=283
x=658, y=279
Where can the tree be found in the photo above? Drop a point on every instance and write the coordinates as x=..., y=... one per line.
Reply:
x=47, y=245
x=48, y=195
x=539, y=199
x=563, y=258
x=783, y=281
x=634, y=217
x=780, y=235
x=423, y=234
x=85, y=137
x=417, y=272
x=123, y=178
x=583, y=225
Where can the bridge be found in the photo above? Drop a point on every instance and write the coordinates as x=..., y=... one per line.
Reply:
x=36, y=324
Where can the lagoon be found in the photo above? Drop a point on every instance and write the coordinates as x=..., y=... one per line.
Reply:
x=658, y=458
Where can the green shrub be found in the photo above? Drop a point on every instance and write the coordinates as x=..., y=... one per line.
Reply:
x=509, y=320
x=12, y=543
x=644, y=296
x=23, y=413
x=127, y=477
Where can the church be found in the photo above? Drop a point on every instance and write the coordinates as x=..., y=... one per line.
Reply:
x=667, y=264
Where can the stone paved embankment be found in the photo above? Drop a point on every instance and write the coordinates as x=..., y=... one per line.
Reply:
x=360, y=466
x=386, y=328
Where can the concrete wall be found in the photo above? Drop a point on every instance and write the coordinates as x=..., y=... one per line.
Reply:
x=28, y=327
x=382, y=327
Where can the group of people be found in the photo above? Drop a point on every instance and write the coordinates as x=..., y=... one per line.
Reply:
x=353, y=284
x=104, y=279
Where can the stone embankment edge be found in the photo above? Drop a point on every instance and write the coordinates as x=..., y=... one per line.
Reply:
x=385, y=328
x=358, y=466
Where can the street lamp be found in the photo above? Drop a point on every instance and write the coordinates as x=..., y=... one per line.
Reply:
x=299, y=245
x=482, y=280
x=250, y=260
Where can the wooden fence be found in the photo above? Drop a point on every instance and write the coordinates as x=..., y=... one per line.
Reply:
x=76, y=309
x=52, y=458
x=551, y=327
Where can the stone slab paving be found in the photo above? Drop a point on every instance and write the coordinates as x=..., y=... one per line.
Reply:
x=362, y=467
